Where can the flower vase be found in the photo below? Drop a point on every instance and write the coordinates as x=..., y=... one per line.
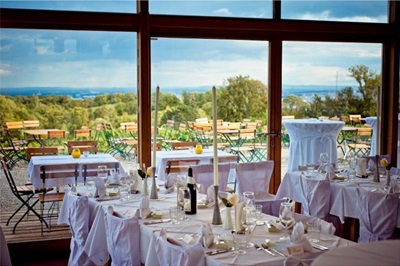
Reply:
x=228, y=224
x=387, y=178
x=145, y=190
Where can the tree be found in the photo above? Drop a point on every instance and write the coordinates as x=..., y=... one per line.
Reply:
x=294, y=105
x=242, y=98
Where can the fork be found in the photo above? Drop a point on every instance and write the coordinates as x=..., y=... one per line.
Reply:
x=266, y=250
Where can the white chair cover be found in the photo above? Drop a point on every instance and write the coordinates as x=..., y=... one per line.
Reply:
x=123, y=239
x=380, y=157
x=315, y=193
x=4, y=253
x=183, y=255
x=256, y=176
x=204, y=175
x=377, y=214
x=326, y=227
x=78, y=219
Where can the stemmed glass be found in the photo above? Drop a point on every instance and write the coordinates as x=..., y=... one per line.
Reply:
x=353, y=161
x=324, y=157
x=286, y=216
x=102, y=173
x=249, y=222
x=184, y=200
x=249, y=199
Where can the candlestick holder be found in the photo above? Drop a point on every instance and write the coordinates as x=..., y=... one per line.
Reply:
x=153, y=193
x=216, y=215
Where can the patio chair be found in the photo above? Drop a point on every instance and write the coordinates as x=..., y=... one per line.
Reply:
x=85, y=133
x=55, y=139
x=315, y=201
x=10, y=155
x=24, y=194
x=377, y=214
x=40, y=152
x=172, y=252
x=83, y=145
x=183, y=145
x=180, y=165
x=30, y=124
x=256, y=176
x=123, y=238
x=362, y=144
x=204, y=175
x=355, y=119
x=90, y=169
x=344, y=118
x=18, y=146
x=116, y=145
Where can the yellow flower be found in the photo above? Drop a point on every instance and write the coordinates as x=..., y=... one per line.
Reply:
x=149, y=171
x=384, y=162
x=233, y=198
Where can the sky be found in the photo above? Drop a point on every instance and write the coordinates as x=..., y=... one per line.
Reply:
x=41, y=58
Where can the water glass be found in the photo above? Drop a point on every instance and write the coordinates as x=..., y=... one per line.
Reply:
x=310, y=169
x=102, y=172
x=124, y=191
x=313, y=231
x=351, y=175
x=175, y=214
x=90, y=187
x=240, y=241
x=324, y=157
x=258, y=210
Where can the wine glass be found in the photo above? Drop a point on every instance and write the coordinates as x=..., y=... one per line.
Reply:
x=184, y=200
x=249, y=199
x=286, y=216
x=353, y=161
x=102, y=173
x=249, y=222
x=324, y=157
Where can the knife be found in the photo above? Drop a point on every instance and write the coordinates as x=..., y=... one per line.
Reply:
x=157, y=222
x=217, y=251
x=320, y=247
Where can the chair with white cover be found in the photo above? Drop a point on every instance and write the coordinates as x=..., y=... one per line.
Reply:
x=204, y=175
x=123, y=238
x=377, y=214
x=256, y=176
x=326, y=227
x=78, y=219
x=315, y=193
x=5, y=259
x=174, y=252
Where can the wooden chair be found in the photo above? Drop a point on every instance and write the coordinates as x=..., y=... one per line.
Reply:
x=246, y=120
x=252, y=125
x=235, y=125
x=13, y=130
x=40, y=152
x=344, y=118
x=54, y=139
x=31, y=124
x=24, y=194
x=362, y=144
x=323, y=118
x=48, y=172
x=226, y=159
x=288, y=117
x=183, y=145
x=180, y=165
x=355, y=119
x=83, y=145
x=83, y=133
x=90, y=169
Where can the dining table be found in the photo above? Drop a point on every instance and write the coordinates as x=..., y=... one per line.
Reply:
x=342, y=193
x=309, y=138
x=372, y=121
x=37, y=135
x=163, y=156
x=37, y=161
x=96, y=243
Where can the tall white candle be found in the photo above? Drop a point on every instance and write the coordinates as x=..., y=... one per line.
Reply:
x=215, y=146
x=155, y=127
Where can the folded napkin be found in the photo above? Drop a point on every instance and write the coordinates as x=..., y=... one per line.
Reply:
x=298, y=238
x=170, y=182
x=100, y=188
x=330, y=172
x=114, y=178
x=361, y=169
x=144, y=210
x=74, y=191
x=239, y=216
x=136, y=180
x=210, y=199
x=207, y=235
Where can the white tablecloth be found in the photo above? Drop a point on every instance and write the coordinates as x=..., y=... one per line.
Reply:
x=375, y=253
x=343, y=199
x=163, y=156
x=96, y=243
x=309, y=138
x=372, y=121
x=37, y=161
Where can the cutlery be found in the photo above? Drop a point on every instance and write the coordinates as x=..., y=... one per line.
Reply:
x=157, y=222
x=266, y=250
x=265, y=246
x=217, y=251
x=320, y=247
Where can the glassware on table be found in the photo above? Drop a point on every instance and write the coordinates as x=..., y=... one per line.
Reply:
x=286, y=216
x=90, y=187
x=249, y=199
x=124, y=188
x=258, y=210
x=324, y=157
x=310, y=169
x=249, y=222
x=175, y=214
x=240, y=242
x=183, y=200
x=102, y=172
x=314, y=230
x=351, y=173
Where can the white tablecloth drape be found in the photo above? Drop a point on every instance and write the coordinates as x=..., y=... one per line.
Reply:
x=310, y=138
x=372, y=121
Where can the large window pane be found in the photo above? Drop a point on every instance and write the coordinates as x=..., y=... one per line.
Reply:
x=68, y=79
x=187, y=69
x=125, y=6
x=328, y=10
x=327, y=81
x=219, y=8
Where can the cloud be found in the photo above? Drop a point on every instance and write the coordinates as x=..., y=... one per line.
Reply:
x=222, y=12
x=326, y=16
x=5, y=72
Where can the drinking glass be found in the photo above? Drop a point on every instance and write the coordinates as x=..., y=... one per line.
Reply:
x=90, y=187
x=184, y=200
x=310, y=169
x=258, y=209
x=102, y=172
x=240, y=241
x=249, y=222
x=324, y=157
x=351, y=173
x=286, y=216
x=175, y=214
x=313, y=231
x=124, y=188
x=249, y=199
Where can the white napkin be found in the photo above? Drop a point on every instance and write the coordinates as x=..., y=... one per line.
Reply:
x=239, y=216
x=210, y=199
x=74, y=191
x=170, y=182
x=136, y=180
x=372, y=164
x=330, y=172
x=361, y=169
x=113, y=179
x=144, y=210
x=298, y=238
x=207, y=235
x=100, y=188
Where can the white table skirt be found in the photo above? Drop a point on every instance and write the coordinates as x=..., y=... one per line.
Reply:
x=375, y=253
x=96, y=243
x=163, y=156
x=372, y=121
x=343, y=201
x=37, y=161
x=310, y=138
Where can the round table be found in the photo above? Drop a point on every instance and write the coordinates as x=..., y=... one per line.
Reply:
x=372, y=122
x=374, y=253
x=309, y=138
